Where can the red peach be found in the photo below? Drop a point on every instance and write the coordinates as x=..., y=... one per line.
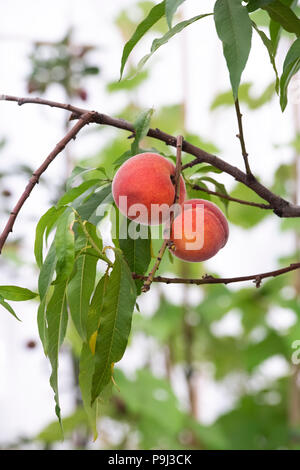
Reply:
x=199, y=231
x=146, y=179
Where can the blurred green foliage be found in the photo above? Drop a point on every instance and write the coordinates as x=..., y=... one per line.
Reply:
x=64, y=63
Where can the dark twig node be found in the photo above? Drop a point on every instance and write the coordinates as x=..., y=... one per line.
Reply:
x=257, y=281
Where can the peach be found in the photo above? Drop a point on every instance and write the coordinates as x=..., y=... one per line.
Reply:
x=199, y=231
x=146, y=179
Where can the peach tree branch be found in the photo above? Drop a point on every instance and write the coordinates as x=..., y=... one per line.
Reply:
x=230, y=198
x=280, y=206
x=207, y=279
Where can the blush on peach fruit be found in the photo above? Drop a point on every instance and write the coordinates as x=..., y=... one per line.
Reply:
x=146, y=179
x=199, y=231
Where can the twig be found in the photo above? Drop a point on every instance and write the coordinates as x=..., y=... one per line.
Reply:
x=148, y=279
x=85, y=119
x=207, y=279
x=162, y=250
x=241, y=138
x=230, y=198
x=42, y=101
x=179, y=142
x=101, y=254
x=280, y=206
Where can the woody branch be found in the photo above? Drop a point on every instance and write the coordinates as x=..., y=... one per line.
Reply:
x=280, y=206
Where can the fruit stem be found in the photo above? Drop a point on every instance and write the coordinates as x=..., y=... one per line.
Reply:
x=101, y=254
x=165, y=244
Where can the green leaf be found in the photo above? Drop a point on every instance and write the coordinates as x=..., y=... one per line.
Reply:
x=141, y=127
x=57, y=318
x=86, y=372
x=64, y=244
x=164, y=324
x=290, y=67
x=94, y=247
x=47, y=271
x=16, y=293
x=269, y=45
x=274, y=26
x=219, y=187
x=52, y=432
x=283, y=178
x=283, y=15
x=90, y=70
x=208, y=169
x=52, y=222
x=168, y=118
x=42, y=325
x=154, y=15
x=101, y=169
x=80, y=289
x=194, y=193
x=262, y=418
x=76, y=173
x=44, y=282
x=275, y=30
x=137, y=252
x=115, y=224
x=171, y=7
x=255, y=4
x=164, y=39
x=246, y=216
x=8, y=307
x=226, y=98
x=74, y=193
x=88, y=210
x=96, y=306
x=126, y=155
x=115, y=323
x=123, y=158
x=87, y=363
x=290, y=224
x=128, y=84
x=206, y=145
x=46, y=222
x=233, y=26
x=159, y=420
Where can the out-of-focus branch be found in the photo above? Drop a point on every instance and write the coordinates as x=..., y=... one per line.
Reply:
x=294, y=384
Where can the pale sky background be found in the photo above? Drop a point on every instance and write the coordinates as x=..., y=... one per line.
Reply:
x=26, y=400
